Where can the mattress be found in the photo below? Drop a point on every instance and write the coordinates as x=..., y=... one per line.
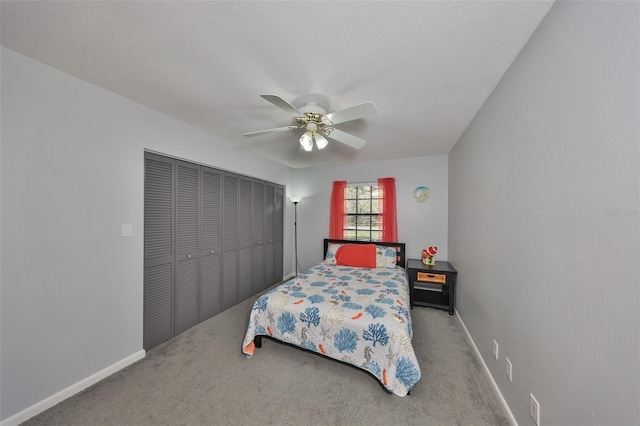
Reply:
x=360, y=316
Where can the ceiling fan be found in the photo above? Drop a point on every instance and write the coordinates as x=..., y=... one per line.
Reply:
x=318, y=124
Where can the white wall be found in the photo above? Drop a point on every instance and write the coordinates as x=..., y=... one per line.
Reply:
x=1, y=137
x=72, y=173
x=419, y=224
x=544, y=219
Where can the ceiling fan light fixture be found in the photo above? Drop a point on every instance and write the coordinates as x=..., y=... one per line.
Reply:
x=321, y=142
x=306, y=141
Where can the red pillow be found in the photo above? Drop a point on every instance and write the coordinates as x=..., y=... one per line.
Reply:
x=362, y=255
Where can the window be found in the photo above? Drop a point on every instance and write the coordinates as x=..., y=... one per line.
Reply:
x=364, y=212
x=363, y=221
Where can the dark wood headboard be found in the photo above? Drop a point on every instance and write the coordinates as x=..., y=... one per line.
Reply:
x=400, y=248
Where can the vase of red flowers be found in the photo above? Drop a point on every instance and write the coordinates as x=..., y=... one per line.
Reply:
x=428, y=255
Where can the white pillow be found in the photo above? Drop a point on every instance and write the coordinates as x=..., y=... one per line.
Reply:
x=386, y=257
x=330, y=257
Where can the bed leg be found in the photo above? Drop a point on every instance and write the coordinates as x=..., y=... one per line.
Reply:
x=257, y=341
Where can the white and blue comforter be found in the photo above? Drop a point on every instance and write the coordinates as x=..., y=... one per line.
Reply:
x=356, y=315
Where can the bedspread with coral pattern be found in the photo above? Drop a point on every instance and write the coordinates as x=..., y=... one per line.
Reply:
x=356, y=315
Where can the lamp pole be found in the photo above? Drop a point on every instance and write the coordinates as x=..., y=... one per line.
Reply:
x=295, y=200
x=295, y=232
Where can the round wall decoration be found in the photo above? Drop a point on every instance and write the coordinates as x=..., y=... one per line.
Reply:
x=421, y=194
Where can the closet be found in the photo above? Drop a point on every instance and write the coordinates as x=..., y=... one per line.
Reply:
x=211, y=239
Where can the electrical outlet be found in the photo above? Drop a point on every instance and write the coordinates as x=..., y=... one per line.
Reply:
x=509, y=369
x=534, y=409
x=495, y=349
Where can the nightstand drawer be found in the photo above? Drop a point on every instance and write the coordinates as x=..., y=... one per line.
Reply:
x=431, y=278
x=428, y=287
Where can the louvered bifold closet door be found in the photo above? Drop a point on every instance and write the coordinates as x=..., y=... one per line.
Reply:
x=269, y=206
x=257, y=234
x=158, y=250
x=211, y=244
x=187, y=245
x=229, y=240
x=246, y=259
x=278, y=231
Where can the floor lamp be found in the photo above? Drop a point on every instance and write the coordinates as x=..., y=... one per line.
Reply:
x=295, y=200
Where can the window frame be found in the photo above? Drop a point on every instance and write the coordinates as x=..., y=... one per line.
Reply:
x=357, y=232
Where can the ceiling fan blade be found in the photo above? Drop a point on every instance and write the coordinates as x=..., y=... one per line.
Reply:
x=282, y=104
x=352, y=113
x=344, y=138
x=278, y=129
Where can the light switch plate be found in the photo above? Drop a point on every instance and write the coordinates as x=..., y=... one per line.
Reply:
x=127, y=230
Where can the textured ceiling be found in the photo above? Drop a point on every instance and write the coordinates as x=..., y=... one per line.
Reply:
x=427, y=66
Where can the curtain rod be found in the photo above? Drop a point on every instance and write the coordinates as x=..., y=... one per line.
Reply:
x=375, y=182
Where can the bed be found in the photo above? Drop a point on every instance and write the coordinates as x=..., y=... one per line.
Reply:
x=354, y=314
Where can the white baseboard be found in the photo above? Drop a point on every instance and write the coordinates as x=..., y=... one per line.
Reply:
x=57, y=398
x=494, y=385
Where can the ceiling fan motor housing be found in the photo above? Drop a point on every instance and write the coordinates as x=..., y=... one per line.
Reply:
x=313, y=113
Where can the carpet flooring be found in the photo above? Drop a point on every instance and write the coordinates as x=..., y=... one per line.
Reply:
x=201, y=377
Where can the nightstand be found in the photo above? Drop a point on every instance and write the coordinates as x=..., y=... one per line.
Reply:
x=432, y=286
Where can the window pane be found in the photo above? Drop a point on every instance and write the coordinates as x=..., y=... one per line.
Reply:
x=362, y=234
x=364, y=206
x=364, y=221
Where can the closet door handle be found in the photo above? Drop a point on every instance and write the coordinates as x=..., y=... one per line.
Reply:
x=211, y=252
x=188, y=256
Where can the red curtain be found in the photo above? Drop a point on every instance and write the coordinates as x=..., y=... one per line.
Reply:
x=389, y=216
x=336, y=221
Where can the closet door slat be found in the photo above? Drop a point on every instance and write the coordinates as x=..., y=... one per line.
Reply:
x=211, y=239
x=246, y=259
x=188, y=245
x=257, y=229
x=229, y=240
x=158, y=250
x=278, y=236
x=269, y=238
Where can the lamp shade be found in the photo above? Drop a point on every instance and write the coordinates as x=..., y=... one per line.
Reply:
x=321, y=141
x=295, y=198
x=306, y=141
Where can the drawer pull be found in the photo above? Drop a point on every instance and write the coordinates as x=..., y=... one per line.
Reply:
x=432, y=278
